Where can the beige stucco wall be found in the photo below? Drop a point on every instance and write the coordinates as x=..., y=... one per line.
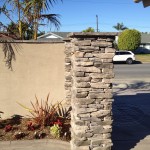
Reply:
x=38, y=69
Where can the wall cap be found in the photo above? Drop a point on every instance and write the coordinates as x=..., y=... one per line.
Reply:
x=92, y=34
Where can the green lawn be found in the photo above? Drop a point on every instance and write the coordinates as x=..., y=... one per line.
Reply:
x=143, y=57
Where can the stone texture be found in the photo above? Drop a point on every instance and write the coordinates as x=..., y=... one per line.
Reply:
x=85, y=101
x=83, y=43
x=87, y=69
x=102, y=44
x=84, y=64
x=89, y=73
x=83, y=79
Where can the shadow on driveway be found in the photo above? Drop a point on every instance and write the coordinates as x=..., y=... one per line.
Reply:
x=131, y=115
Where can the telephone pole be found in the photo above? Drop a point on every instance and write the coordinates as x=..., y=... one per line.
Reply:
x=97, y=23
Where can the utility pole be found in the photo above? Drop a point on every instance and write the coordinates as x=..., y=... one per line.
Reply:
x=97, y=23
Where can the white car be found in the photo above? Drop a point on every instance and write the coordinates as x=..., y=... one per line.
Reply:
x=124, y=56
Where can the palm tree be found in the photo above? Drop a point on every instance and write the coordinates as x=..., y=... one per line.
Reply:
x=34, y=11
x=120, y=27
x=17, y=6
x=31, y=11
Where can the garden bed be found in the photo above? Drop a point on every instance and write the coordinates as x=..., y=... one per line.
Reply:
x=47, y=121
x=18, y=128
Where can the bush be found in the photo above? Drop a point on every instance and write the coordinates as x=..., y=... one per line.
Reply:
x=55, y=130
x=43, y=112
x=129, y=40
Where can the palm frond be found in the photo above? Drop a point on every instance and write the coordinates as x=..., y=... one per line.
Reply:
x=52, y=19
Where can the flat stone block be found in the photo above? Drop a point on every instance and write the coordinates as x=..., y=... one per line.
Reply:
x=102, y=44
x=80, y=59
x=87, y=69
x=100, y=113
x=83, y=79
x=83, y=43
x=85, y=110
x=100, y=141
x=109, y=50
x=79, y=54
x=83, y=90
x=81, y=95
x=100, y=95
x=84, y=64
x=99, y=85
x=78, y=74
x=88, y=55
x=85, y=101
x=82, y=85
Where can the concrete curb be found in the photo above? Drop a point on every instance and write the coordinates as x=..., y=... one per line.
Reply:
x=42, y=144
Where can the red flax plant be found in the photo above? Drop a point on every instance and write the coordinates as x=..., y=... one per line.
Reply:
x=43, y=113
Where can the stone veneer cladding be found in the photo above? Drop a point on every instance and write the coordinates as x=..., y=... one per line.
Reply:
x=89, y=73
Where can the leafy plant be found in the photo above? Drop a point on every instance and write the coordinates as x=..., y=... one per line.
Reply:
x=60, y=123
x=8, y=128
x=32, y=126
x=63, y=113
x=43, y=113
x=55, y=130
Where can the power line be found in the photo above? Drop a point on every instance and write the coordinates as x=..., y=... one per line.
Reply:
x=102, y=23
x=100, y=2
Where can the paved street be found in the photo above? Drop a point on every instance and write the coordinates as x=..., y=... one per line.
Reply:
x=132, y=72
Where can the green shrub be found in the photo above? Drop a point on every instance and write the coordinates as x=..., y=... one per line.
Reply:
x=129, y=40
x=55, y=130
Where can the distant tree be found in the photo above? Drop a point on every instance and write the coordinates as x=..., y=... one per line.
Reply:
x=90, y=29
x=120, y=27
x=129, y=40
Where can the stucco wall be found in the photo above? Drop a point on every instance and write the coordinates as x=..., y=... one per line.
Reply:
x=38, y=69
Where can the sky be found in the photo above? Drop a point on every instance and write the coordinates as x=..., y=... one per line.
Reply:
x=78, y=15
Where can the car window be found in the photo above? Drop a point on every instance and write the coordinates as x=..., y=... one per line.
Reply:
x=117, y=53
x=125, y=53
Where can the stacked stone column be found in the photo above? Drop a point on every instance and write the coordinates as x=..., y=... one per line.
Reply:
x=89, y=86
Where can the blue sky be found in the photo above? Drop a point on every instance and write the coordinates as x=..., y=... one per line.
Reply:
x=77, y=15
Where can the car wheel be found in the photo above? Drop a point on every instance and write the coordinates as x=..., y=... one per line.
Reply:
x=129, y=61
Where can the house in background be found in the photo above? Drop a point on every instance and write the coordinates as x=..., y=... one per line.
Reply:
x=53, y=36
x=144, y=47
x=145, y=44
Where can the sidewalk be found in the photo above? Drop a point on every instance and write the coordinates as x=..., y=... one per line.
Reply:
x=35, y=145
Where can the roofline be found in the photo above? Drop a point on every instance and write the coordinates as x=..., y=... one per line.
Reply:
x=49, y=33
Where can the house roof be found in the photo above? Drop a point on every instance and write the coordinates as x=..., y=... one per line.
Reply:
x=145, y=38
x=53, y=36
x=145, y=2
